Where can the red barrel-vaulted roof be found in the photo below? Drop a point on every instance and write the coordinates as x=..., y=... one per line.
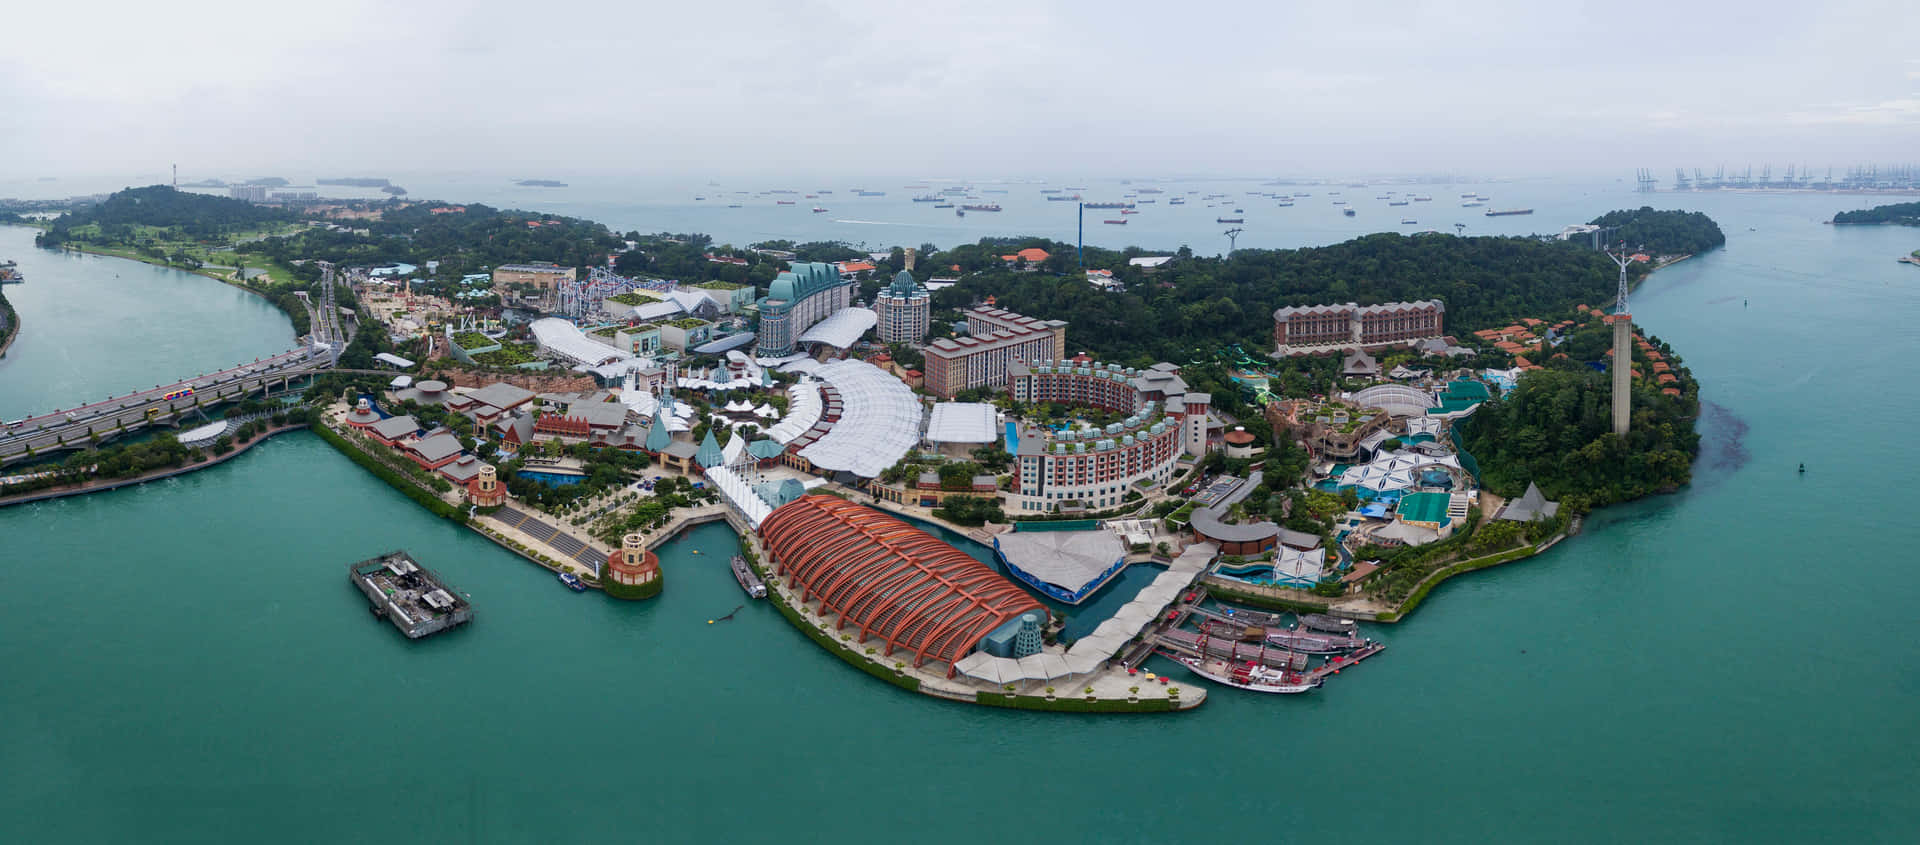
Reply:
x=889, y=579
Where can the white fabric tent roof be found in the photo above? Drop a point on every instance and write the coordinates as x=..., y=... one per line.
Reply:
x=739, y=406
x=842, y=329
x=1298, y=567
x=1067, y=559
x=566, y=340
x=803, y=411
x=963, y=422
x=765, y=410
x=739, y=494
x=879, y=421
x=1395, y=470
x=736, y=447
x=1423, y=425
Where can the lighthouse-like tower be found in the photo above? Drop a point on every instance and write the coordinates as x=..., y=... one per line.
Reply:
x=484, y=490
x=632, y=572
x=1622, y=367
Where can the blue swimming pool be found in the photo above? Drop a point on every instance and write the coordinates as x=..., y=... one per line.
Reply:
x=552, y=479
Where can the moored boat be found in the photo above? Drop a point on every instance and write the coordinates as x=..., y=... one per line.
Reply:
x=1121, y=222
x=1307, y=642
x=1329, y=624
x=1229, y=219
x=572, y=581
x=1249, y=676
x=748, y=580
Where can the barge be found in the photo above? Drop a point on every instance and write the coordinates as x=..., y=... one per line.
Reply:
x=748, y=580
x=410, y=596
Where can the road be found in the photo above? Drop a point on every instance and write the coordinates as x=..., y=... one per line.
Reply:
x=44, y=433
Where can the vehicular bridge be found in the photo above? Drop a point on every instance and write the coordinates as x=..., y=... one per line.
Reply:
x=170, y=404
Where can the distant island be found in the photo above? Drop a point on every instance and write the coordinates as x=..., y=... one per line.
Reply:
x=270, y=181
x=205, y=183
x=1900, y=213
x=394, y=190
x=355, y=182
x=540, y=183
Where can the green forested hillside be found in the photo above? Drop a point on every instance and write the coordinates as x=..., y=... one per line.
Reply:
x=134, y=212
x=1196, y=305
x=1663, y=232
x=1903, y=213
x=1556, y=430
x=463, y=241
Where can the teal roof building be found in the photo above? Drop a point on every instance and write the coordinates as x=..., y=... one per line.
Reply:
x=709, y=455
x=797, y=299
x=903, y=310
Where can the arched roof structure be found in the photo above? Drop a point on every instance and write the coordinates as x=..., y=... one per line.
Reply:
x=889, y=579
x=1396, y=399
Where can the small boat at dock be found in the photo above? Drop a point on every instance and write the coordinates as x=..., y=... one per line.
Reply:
x=1306, y=642
x=748, y=580
x=1329, y=624
x=572, y=581
x=1249, y=676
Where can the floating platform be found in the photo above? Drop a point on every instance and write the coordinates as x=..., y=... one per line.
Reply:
x=409, y=595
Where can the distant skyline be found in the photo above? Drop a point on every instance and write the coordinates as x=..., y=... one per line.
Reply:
x=1014, y=89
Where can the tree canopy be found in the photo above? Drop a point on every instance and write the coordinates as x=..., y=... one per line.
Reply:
x=1195, y=306
x=1555, y=429
x=1902, y=213
x=196, y=216
x=1663, y=232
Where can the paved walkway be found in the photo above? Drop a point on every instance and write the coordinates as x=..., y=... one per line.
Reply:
x=535, y=530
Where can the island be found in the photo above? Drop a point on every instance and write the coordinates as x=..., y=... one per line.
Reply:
x=540, y=183
x=354, y=182
x=1287, y=444
x=1895, y=214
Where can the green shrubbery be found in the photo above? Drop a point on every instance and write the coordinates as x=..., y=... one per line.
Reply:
x=393, y=479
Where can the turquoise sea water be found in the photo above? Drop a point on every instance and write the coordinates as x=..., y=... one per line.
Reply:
x=1736, y=662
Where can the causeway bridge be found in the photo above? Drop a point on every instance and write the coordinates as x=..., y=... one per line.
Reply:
x=172, y=404
x=169, y=404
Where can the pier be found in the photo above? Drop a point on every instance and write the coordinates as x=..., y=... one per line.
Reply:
x=409, y=595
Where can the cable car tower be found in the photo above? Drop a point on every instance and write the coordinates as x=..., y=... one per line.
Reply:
x=1622, y=366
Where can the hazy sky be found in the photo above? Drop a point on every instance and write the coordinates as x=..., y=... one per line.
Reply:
x=980, y=87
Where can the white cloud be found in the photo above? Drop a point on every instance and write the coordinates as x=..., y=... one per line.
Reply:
x=1009, y=86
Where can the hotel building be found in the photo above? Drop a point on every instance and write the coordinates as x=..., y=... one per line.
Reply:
x=996, y=341
x=796, y=300
x=1315, y=328
x=1094, y=469
x=903, y=309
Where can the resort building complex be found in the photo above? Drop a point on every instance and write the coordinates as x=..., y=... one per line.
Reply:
x=1094, y=468
x=1319, y=328
x=797, y=299
x=996, y=340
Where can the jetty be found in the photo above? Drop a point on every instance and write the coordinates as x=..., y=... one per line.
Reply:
x=409, y=595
